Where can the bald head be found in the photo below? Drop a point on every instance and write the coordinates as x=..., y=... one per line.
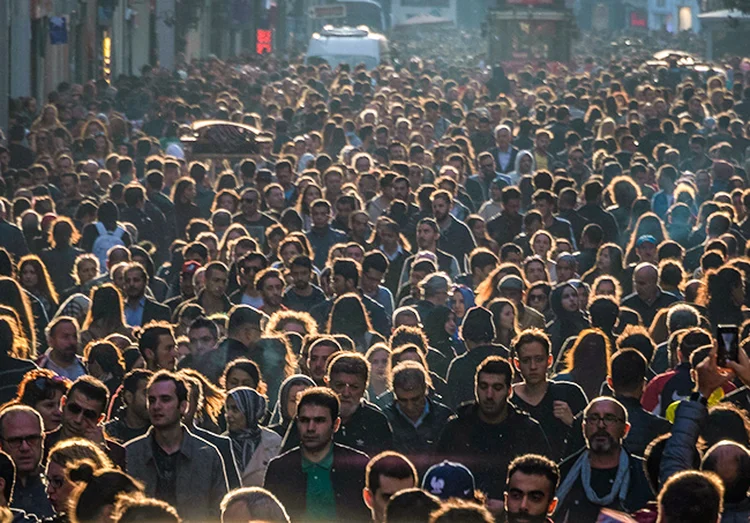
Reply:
x=731, y=461
x=645, y=279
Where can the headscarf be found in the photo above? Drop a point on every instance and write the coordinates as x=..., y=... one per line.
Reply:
x=571, y=323
x=279, y=413
x=468, y=295
x=253, y=406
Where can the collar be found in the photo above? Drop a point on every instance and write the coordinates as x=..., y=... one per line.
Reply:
x=141, y=303
x=420, y=420
x=185, y=446
x=395, y=255
x=326, y=463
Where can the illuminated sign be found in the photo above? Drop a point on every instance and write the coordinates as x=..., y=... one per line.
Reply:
x=263, y=41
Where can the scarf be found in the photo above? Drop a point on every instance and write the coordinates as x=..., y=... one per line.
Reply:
x=582, y=468
x=244, y=442
x=280, y=415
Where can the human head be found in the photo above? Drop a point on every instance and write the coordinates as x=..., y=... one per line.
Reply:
x=347, y=376
x=98, y=490
x=530, y=489
x=532, y=355
x=691, y=497
x=317, y=418
x=492, y=383
x=84, y=406
x=252, y=504
x=62, y=336
x=605, y=425
x=157, y=345
x=167, y=396
x=64, y=454
x=386, y=474
x=22, y=438
x=412, y=505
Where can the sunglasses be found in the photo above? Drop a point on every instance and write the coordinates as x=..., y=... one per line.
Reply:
x=76, y=409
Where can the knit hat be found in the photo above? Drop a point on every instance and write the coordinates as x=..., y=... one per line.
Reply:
x=449, y=480
x=478, y=325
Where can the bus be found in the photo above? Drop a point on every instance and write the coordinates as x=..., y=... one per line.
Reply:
x=403, y=10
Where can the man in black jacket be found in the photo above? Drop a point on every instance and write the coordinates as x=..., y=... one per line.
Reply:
x=139, y=309
x=488, y=434
x=320, y=479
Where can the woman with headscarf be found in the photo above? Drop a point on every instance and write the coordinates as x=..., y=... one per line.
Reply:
x=254, y=446
x=569, y=320
x=286, y=407
x=440, y=328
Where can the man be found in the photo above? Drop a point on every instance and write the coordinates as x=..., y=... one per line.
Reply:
x=494, y=205
x=135, y=201
x=613, y=478
x=428, y=234
x=321, y=235
x=455, y=237
x=7, y=484
x=530, y=489
x=648, y=297
x=157, y=346
x=567, y=202
x=544, y=202
x=416, y=419
x=382, y=201
x=83, y=410
x=62, y=355
x=254, y=221
x=22, y=438
x=577, y=168
x=320, y=479
x=71, y=194
x=187, y=291
x=273, y=197
x=139, y=309
x=270, y=283
x=174, y=465
x=203, y=335
x=252, y=504
x=591, y=240
x=479, y=185
x=248, y=267
x=691, y=497
x=363, y=426
x=477, y=331
x=131, y=420
x=509, y=223
x=593, y=211
x=11, y=237
x=285, y=177
x=718, y=224
x=320, y=351
x=504, y=154
x=513, y=288
x=386, y=474
x=542, y=157
x=481, y=263
x=435, y=290
x=302, y=295
x=374, y=267
x=553, y=404
x=489, y=433
x=213, y=297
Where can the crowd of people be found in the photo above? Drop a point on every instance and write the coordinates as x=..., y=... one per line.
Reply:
x=435, y=291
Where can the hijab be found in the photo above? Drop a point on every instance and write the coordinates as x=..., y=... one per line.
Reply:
x=253, y=406
x=279, y=414
x=571, y=323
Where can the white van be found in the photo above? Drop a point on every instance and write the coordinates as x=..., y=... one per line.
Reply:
x=348, y=45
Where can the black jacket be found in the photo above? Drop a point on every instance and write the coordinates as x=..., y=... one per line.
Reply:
x=285, y=479
x=461, y=372
x=155, y=311
x=487, y=450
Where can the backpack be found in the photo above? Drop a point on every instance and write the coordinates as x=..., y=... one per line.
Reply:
x=104, y=242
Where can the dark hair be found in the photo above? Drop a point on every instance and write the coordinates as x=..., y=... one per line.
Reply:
x=412, y=505
x=638, y=338
x=349, y=316
x=530, y=336
x=628, y=370
x=181, y=387
x=133, y=378
x=91, y=388
x=535, y=465
x=140, y=509
x=390, y=464
x=267, y=274
x=39, y=385
x=691, y=497
x=349, y=269
x=375, y=260
x=107, y=355
x=321, y=397
x=201, y=322
x=148, y=337
x=8, y=474
x=349, y=363
x=106, y=307
x=101, y=488
x=495, y=365
x=245, y=365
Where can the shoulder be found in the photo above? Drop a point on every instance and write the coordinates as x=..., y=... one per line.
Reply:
x=352, y=456
x=284, y=459
x=269, y=437
x=371, y=410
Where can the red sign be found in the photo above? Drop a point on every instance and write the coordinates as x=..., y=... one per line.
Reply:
x=637, y=20
x=263, y=42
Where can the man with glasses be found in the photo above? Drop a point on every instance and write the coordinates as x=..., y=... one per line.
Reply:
x=479, y=185
x=7, y=485
x=250, y=216
x=247, y=268
x=22, y=438
x=83, y=411
x=604, y=474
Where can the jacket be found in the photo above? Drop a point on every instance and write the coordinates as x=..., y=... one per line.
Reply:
x=201, y=477
x=155, y=311
x=644, y=426
x=269, y=448
x=461, y=371
x=224, y=446
x=286, y=480
x=680, y=452
x=457, y=240
x=114, y=451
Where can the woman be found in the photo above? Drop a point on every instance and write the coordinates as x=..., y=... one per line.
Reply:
x=42, y=390
x=185, y=209
x=61, y=256
x=14, y=351
x=105, y=315
x=535, y=269
x=569, y=320
x=505, y=318
x=254, y=446
x=542, y=244
x=104, y=362
x=378, y=357
x=36, y=281
x=309, y=194
x=227, y=199
x=478, y=228
x=93, y=500
x=242, y=372
x=348, y=317
x=440, y=328
x=286, y=406
x=587, y=362
x=461, y=301
x=723, y=296
x=608, y=262
x=62, y=456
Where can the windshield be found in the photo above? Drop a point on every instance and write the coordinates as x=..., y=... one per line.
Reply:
x=371, y=62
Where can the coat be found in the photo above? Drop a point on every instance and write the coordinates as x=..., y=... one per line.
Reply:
x=269, y=448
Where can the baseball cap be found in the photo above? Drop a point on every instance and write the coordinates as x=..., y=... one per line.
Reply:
x=646, y=238
x=449, y=480
x=511, y=282
x=189, y=267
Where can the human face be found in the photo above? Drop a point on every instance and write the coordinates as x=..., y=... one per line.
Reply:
x=288, y=253
x=502, y=139
x=350, y=389
x=569, y=299
x=236, y=420
x=135, y=284
x=479, y=229
x=333, y=183
x=315, y=427
x=338, y=282
x=401, y=190
x=64, y=340
x=492, y=393
x=378, y=501
x=164, y=409
x=216, y=282
x=81, y=414
x=249, y=204
x=293, y=397
x=249, y=271
x=137, y=402
x=535, y=271
x=371, y=280
x=300, y=276
x=647, y=253
x=645, y=283
x=86, y=271
x=316, y=362
x=532, y=362
x=166, y=353
x=440, y=209
x=524, y=164
x=604, y=427
x=23, y=440
x=50, y=411
x=541, y=245
x=68, y=186
x=354, y=253
x=320, y=216
x=512, y=207
x=507, y=318
x=29, y=277
x=240, y=378
x=537, y=299
x=275, y=199
x=360, y=225
x=459, y=306
x=450, y=324
x=426, y=237
x=543, y=206
x=605, y=261
x=528, y=498
x=412, y=402
x=59, y=488
x=605, y=288
x=202, y=341
x=379, y=365
x=272, y=291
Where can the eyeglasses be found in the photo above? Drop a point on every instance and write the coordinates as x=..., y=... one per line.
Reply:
x=31, y=440
x=56, y=483
x=608, y=419
x=76, y=409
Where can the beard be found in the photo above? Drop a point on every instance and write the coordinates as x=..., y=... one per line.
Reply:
x=525, y=518
x=602, y=447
